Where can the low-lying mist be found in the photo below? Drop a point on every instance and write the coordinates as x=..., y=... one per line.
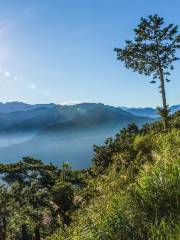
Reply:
x=16, y=138
x=76, y=148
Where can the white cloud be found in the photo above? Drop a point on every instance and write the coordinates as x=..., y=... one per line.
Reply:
x=15, y=77
x=73, y=102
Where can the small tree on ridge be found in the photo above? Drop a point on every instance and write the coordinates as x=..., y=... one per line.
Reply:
x=153, y=52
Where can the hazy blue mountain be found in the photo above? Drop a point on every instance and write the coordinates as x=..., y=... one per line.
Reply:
x=20, y=106
x=20, y=126
x=94, y=116
x=175, y=108
x=38, y=117
x=56, y=133
x=10, y=119
x=16, y=127
x=25, y=121
x=71, y=134
x=143, y=112
x=21, y=122
x=148, y=112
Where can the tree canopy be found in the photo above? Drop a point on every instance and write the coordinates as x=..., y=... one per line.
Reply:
x=152, y=52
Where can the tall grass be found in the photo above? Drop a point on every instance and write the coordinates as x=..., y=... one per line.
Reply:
x=147, y=208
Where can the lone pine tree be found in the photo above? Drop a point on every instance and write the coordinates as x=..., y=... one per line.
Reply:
x=152, y=52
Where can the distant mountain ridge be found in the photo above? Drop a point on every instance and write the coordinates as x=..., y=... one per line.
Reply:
x=93, y=117
x=138, y=111
x=58, y=133
x=61, y=133
x=41, y=117
x=21, y=106
x=148, y=112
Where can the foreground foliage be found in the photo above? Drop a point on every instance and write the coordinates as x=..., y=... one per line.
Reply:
x=132, y=191
x=137, y=195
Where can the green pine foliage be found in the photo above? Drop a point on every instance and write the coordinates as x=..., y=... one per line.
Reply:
x=152, y=53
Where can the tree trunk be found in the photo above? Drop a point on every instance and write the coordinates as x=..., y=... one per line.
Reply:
x=164, y=112
x=37, y=233
x=24, y=232
x=163, y=93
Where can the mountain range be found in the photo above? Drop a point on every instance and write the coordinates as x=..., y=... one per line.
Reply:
x=24, y=119
x=58, y=133
x=149, y=112
x=20, y=106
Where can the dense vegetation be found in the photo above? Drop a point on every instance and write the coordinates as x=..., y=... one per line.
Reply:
x=130, y=192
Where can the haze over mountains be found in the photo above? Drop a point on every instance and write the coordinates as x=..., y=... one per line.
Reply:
x=149, y=112
x=57, y=133
x=20, y=106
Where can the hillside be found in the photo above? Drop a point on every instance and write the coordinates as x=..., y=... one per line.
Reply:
x=132, y=188
x=130, y=191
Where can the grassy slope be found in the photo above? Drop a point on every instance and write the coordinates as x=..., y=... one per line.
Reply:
x=128, y=205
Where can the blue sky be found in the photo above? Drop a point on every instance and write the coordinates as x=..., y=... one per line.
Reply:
x=62, y=51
